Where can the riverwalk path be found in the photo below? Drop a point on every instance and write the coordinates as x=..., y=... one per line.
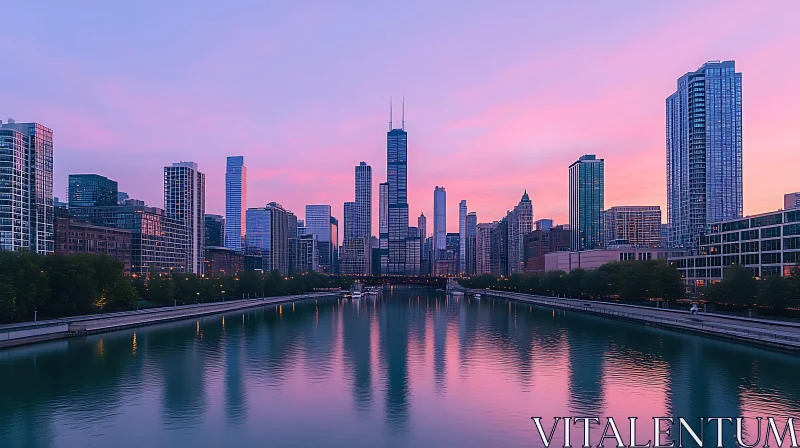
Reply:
x=29, y=332
x=771, y=333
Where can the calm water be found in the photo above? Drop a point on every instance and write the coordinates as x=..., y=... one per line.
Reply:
x=412, y=368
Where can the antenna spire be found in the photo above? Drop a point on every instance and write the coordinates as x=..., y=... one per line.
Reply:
x=403, y=123
x=390, y=113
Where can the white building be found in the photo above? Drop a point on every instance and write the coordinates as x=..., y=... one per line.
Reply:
x=185, y=201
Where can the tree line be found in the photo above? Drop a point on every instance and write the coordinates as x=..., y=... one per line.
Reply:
x=56, y=286
x=739, y=288
x=624, y=280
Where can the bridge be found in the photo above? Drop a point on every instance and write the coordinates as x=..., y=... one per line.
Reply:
x=436, y=282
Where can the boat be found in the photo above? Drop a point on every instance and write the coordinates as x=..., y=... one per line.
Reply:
x=477, y=296
x=356, y=295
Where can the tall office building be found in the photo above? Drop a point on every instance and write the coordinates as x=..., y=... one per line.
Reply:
x=363, y=201
x=91, y=190
x=383, y=227
x=498, y=250
x=185, y=201
x=334, y=246
x=704, y=151
x=439, y=221
x=350, y=221
x=424, y=255
x=292, y=229
x=397, y=180
x=635, y=225
x=462, y=236
x=235, y=202
x=586, y=195
x=26, y=187
x=214, y=231
x=483, y=244
x=791, y=201
x=318, y=222
x=268, y=234
x=520, y=223
x=471, y=243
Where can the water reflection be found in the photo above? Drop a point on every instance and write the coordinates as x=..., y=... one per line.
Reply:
x=410, y=368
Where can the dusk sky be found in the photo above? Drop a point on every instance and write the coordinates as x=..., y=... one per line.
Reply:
x=500, y=96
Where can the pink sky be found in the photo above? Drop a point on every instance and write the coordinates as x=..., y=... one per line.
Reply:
x=498, y=99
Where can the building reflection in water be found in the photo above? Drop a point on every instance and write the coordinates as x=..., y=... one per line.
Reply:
x=393, y=323
x=356, y=347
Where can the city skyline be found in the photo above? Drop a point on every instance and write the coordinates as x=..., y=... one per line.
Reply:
x=107, y=115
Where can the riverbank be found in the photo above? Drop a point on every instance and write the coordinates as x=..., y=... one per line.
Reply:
x=767, y=333
x=13, y=335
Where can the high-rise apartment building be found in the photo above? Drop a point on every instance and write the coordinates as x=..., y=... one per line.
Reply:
x=471, y=243
x=235, y=202
x=635, y=225
x=462, y=236
x=498, y=251
x=214, y=231
x=704, y=151
x=520, y=223
x=185, y=201
x=26, y=187
x=91, y=190
x=483, y=245
x=424, y=255
x=586, y=196
x=268, y=234
x=439, y=221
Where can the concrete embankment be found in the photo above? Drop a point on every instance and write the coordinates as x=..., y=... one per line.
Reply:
x=763, y=332
x=30, y=332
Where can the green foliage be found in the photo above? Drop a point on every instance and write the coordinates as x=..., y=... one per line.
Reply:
x=738, y=287
x=24, y=286
x=627, y=280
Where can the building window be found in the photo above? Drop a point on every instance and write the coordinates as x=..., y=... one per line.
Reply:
x=771, y=258
x=771, y=232
x=770, y=245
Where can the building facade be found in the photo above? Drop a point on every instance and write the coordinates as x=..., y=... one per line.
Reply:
x=424, y=254
x=704, y=151
x=185, y=201
x=80, y=236
x=471, y=243
x=791, y=201
x=593, y=259
x=90, y=190
x=383, y=227
x=638, y=226
x=363, y=202
x=483, y=245
x=462, y=237
x=268, y=234
x=307, y=254
x=767, y=244
x=586, y=196
x=158, y=241
x=26, y=187
x=214, y=231
x=542, y=241
x=235, y=202
x=221, y=261
x=498, y=250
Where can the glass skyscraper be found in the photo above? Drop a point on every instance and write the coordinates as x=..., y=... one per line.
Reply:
x=235, y=202
x=704, y=151
x=586, y=196
x=215, y=230
x=91, y=190
x=268, y=233
x=318, y=221
x=26, y=187
x=383, y=226
x=439, y=221
x=185, y=201
x=363, y=202
x=462, y=236
x=397, y=180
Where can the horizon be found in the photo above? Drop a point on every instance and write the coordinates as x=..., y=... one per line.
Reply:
x=492, y=110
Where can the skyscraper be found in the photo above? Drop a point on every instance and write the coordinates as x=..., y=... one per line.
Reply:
x=439, y=221
x=91, y=190
x=363, y=201
x=350, y=221
x=636, y=225
x=268, y=233
x=471, y=239
x=26, y=182
x=424, y=255
x=520, y=223
x=318, y=222
x=483, y=244
x=185, y=201
x=586, y=195
x=383, y=224
x=214, y=231
x=397, y=180
x=704, y=151
x=462, y=236
x=235, y=202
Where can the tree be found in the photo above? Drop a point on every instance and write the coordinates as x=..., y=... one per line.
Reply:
x=775, y=292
